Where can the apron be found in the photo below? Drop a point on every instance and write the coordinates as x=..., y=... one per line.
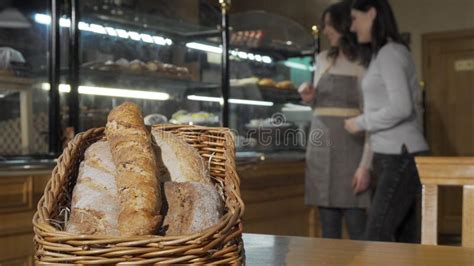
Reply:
x=333, y=154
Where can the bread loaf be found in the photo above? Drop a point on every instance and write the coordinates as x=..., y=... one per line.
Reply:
x=192, y=207
x=285, y=85
x=137, y=185
x=95, y=206
x=265, y=82
x=137, y=65
x=152, y=66
x=177, y=160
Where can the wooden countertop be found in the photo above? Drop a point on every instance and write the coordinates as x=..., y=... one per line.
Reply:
x=285, y=250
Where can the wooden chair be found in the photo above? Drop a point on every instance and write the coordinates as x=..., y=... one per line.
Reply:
x=446, y=171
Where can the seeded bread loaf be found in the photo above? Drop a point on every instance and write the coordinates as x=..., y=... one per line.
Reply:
x=137, y=183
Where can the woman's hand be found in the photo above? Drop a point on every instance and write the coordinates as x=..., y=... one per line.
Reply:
x=307, y=92
x=351, y=126
x=361, y=180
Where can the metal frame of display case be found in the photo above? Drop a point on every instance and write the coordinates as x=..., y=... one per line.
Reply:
x=225, y=6
x=54, y=75
x=74, y=64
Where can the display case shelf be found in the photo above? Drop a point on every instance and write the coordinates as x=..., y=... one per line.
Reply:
x=129, y=79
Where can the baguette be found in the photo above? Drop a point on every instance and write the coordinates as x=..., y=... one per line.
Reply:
x=138, y=188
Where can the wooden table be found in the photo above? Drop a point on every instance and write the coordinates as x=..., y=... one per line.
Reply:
x=285, y=250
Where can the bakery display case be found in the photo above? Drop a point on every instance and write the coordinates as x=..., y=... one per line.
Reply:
x=65, y=64
x=182, y=62
x=270, y=57
x=153, y=54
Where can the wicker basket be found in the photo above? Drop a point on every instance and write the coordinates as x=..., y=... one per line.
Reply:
x=219, y=244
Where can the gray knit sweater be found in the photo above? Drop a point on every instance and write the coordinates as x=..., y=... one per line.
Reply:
x=391, y=97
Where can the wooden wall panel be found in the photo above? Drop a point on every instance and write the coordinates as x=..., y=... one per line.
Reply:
x=273, y=193
x=19, y=194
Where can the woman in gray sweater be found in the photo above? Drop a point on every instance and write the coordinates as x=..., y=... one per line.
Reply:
x=391, y=118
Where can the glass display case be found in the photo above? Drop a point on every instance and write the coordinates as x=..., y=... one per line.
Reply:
x=152, y=53
x=270, y=57
x=169, y=57
x=23, y=67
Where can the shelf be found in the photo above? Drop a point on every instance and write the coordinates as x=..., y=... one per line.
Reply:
x=279, y=95
x=273, y=35
x=33, y=162
x=255, y=92
x=160, y=25
x=277, y=54
x=15, y=83
x=290, y=155
x=129, y=79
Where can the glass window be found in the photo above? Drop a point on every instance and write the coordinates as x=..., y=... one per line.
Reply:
x=23, y=70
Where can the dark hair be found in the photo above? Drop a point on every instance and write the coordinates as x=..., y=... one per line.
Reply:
x=384, y=27
x=340, y=18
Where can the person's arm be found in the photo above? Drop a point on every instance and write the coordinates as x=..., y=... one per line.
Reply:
x=319, y=68
x=361, y=179
x=366, y=160
x=308, y=90
x=307, y=93
x=391, y=63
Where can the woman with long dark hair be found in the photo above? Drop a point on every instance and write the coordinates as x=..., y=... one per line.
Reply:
x=390, y=90
x=337, y=164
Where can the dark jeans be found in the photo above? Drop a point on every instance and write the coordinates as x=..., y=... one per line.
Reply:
x=394, y=214
x=331, y=222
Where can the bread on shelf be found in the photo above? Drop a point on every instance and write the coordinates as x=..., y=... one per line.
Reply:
x=285, y=85
x=266, y=82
